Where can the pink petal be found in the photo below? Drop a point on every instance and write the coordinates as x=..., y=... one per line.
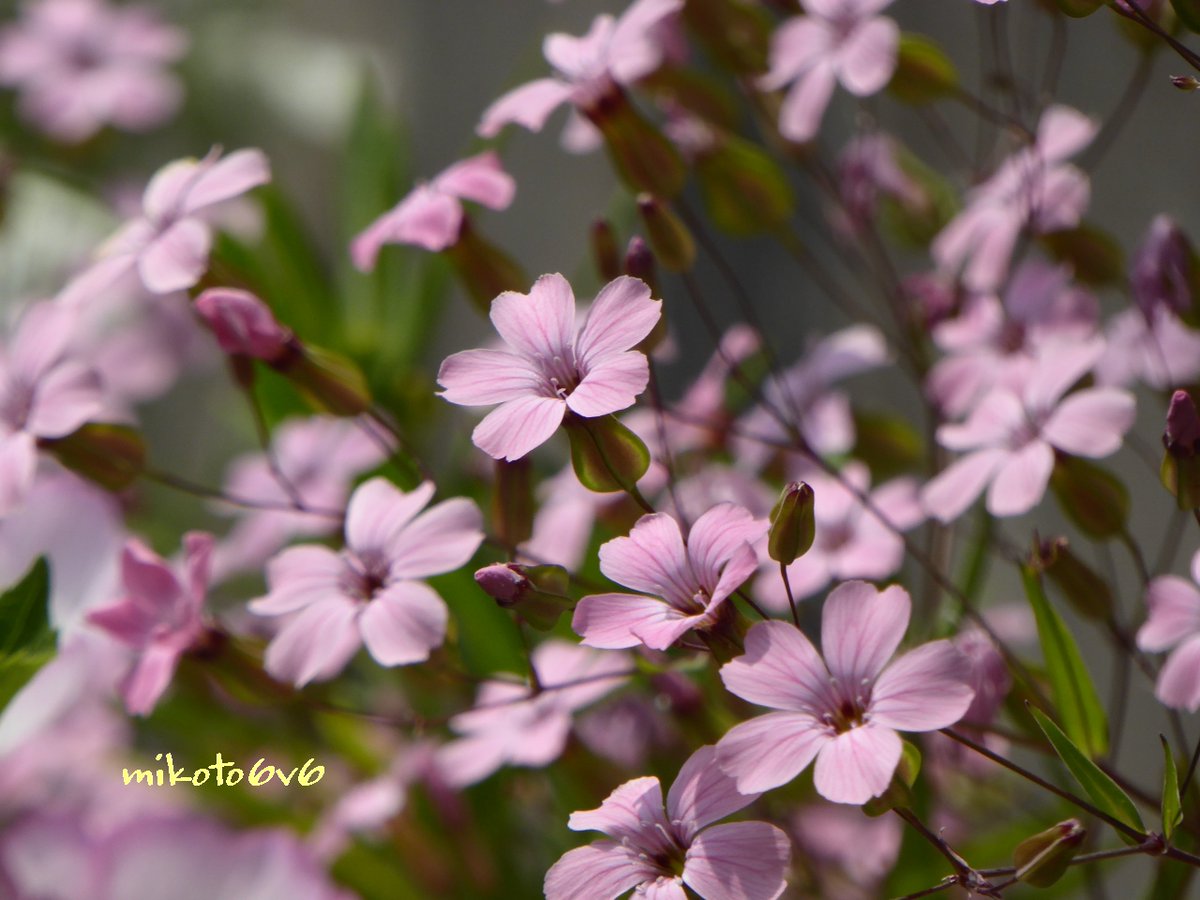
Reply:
x=317, y=643
x=43, y=334
x=780, y=669
x=379, y=510
x=425, y=218
x=1062, y=132
x=618, y=621
x=298, y=577
x=1058, y=367
x=1020, y=481
x=802, y=109
x=529, y=106
x=1091, y=422
x=651, y=559
x=867, y=59
x=664, y=887
x=717, y=535
x=146, y=576
x=229, y=177
x=599, y=871
x=540, y=324
x=796, y=46
x=1173, y=613
x=402, y=623
x=125, y=621
x=481, y=179
x=621, y=316
x=739, y=568
x=543, y=741
x=634, y=50
x=613, y=384
x=857, y=764
x=992, y=423
x=439, y=540
x=861, y=627
x=702, y=793
x=747, y=860
x=67, y=397
x=1179, y=680
x=165, y=192
x=771, y=750
x=954, y=489
x=177, y=258
x=483, y=377
x=149, y=680
x=470, y=760
x=516, y=427
x=628, y=812
x=925, y=689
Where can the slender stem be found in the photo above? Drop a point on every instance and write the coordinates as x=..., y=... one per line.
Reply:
x=178, y=483
x=1135, y=13
x=787, y=586
x=1191, y=770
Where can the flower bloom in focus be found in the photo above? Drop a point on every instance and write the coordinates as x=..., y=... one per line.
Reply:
x=1173, y=624
x=82, y=64
x=432, y=215
x=658, y=853
x=683, y=587
x=836, y=41
x=370, y=592
x=550, y=367
x=159, y=615
x=844, y=711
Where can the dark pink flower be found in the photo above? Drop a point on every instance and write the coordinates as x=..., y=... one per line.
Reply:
x=658, y=852
x=431, y=216
x=1161, y=269
x=1173, y=623
x=843, y=711
x=683, y=587
x=550, y=366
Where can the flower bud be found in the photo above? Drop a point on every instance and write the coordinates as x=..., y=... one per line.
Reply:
x=1093, y=498
x=606, y=455
x=1042, y=859
x=1181, y=464
x=639, y=262
x=485, y=270
x=112, y=456
x=736, y=35
x=793, y=526
x=1185, y=82
x=672, y=242
x=243, y=324
x=1086, y=591
x=644, y=159
x=604, y=250
x=1163, y=270
x=538, y=594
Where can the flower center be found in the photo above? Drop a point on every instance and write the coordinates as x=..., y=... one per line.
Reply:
x=846, y=710
x=364, y=574
x=562, y=375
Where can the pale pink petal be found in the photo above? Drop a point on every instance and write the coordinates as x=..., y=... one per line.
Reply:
x=1091, y=422
x=621, y=316
x=1062, y=132
x=867, y=58
x=925, y=689
x=739, y=568
x=300, y=576
x=600, y=871
x=425, y=218
x=379, y=510
x=483, y=377
x=702, y=793
x=780, y=669
x=857, y=764
x=42, y=336
x=67, y=396
x=618, y=621
x=651, y=559
x=125, y=621
x=1058, y=367
x=402, y=623
x=803, y=107
x=167, y=189
x=149, y=679
x=529, y=106
x=516, y=427
x=861, y=627
x=317, y=643
x=439, y=540
x=611, y=385
x=227, y=178
x=717, y=535
x=992, y=423
x=664, y=887
x=771, y=750
x=627, y=812
x=634, y=50
x=481, y=179
x=470, y=760
x=177, y=258
x=1179, y=680
x=147, y=577
x=747, y=860
x=954, y=489
x=543, y=740
x=1173, y=613
x=796, y=46
x=1020, y=481
x=540, y=324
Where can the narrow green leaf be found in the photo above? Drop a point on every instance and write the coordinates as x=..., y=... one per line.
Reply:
x=24, y=624
x=1102, y=790
x=1172, y=811
x=1071, y=685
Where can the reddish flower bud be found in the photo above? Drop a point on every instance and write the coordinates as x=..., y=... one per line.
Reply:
x=604, y=250
x=538, y=594
x=1181, y=464
x=243, y=324
x=670, y=238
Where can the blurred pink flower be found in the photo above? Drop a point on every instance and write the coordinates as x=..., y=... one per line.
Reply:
x=1012, y=435
x=1157, y=349
x=243, y=324
x=864, y=849
x=1173, y=623
x=1161, y=270
x=659, y=853
x=845, y=710
x=868, y=169
x=835, y=41
x=158, y=615
x=613, y=52
x=687, y=584
x=431, y=216
x=82, y=64
x=552, y=367
x=370, y=592
x=512, y=725
x=167, y=246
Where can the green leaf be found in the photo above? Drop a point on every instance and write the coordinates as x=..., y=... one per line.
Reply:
x=1172, y=811
x=1074, y=693
x=1095, y=255
x=924, y=73
x=26, y=639
x=744, y=191
x=1188, y=12
x=1102, y=790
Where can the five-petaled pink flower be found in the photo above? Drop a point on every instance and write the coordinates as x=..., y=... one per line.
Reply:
x=432, y=215
x=658, y=853
x=369, y=593
x=683, y=587
x=550, y=367
x=613, y=52
x=1012, y=435
x=1173, y=624
x=159, y=615
x=167, y=246
x=836, y=41
x=844, y=711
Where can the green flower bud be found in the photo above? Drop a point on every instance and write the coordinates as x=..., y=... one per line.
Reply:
x=512, y=501
x=672, y=242
x=644, y=159
x=112, y=456
x=1093, y=498
x=793, y=525
x=1042, y=859
x=606, y=455
x=604, y=250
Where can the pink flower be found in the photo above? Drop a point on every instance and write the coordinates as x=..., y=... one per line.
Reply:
x=431, y=216
x=243, y=324
x=659, y=852
x=369, y=592
x=683, y=587
x=158, y=616
x=512, y=725
x=864, y=849
x=1173, y=623
x=869, y=169
x=837, y=41
x=844, y=711
x=1162, y=269
x=550, y=367
x=44, y=393
x=82, y=64
x=1012, y=435
x=1034, y=189
x=613, y=52
x=1157, y=349
x=168, y=245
